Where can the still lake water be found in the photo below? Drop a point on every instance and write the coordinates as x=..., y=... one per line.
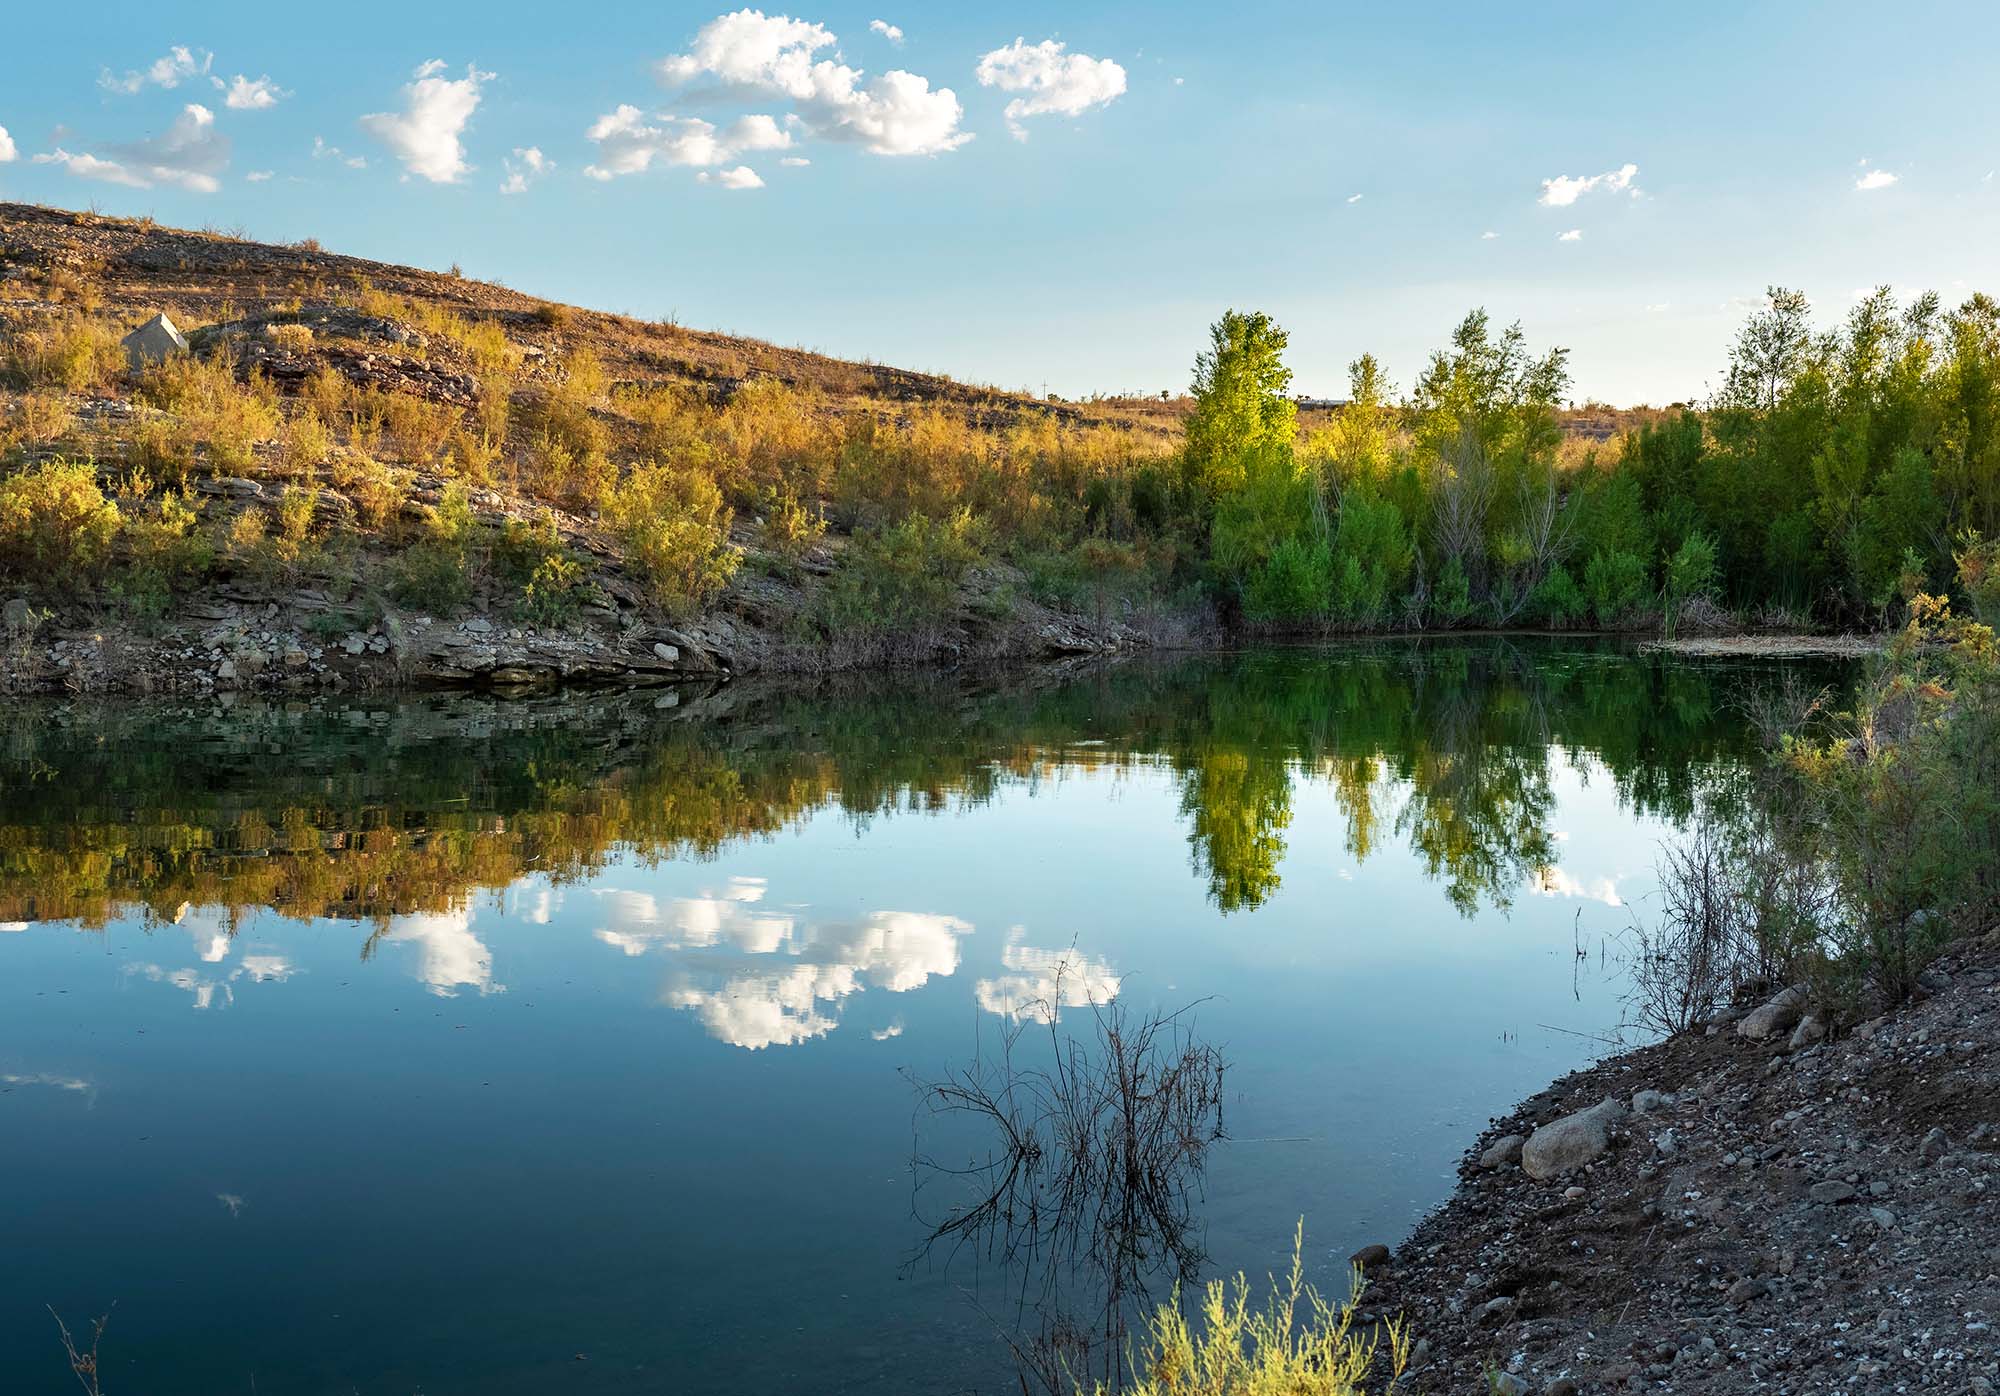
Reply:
x=465, y=1046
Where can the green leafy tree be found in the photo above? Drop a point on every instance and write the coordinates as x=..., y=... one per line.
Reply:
x=1240, y=399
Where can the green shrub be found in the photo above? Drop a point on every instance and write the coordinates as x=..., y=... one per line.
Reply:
x=165, y=549
x=532, y=557
x=903, y=577
x=1615, y=584
x=674, y=529
x=1451, y=600
x=1373, y=546
x=1293, y=583
x=1558, y=600
x=1906, y=804
x=435, y=572
x=55, y=523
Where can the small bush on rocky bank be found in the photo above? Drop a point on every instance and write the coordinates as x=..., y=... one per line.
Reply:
x=56, y=526
x=1296, y=1343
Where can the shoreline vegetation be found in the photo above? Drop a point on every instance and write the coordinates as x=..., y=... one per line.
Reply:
x=363, y=476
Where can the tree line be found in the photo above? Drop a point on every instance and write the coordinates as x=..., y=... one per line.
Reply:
x=1834, y=474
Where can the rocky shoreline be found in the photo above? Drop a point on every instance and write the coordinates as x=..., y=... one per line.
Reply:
x=303, y=643
x=1759, y=1207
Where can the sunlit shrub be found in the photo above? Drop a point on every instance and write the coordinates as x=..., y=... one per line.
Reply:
x=56, y=526
x=674, y=530
x=1296, y=1343
x=226, y=418
x=72, y=356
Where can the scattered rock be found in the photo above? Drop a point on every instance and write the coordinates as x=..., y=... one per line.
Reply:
x=1646, y=1102
x=1936, y=1144
x=1369, y=1257
x=1811, y=1029
x=1503, y=1151
x=1775, y=1016
x=1569, y=1143
x=1747, y=1289
x=1832, y=1191
x=1507, y=1384
x=666, y=653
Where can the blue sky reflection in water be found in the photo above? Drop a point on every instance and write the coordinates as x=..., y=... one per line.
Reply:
x=461, y=1040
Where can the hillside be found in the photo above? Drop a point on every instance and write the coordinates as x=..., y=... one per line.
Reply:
x=366, y=474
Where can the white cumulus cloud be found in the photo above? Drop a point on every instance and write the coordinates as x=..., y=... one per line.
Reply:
x=524, y=166
x=7, y=150
x=1564, y=190
x=1875, y=179
x=425, y=135
x=1053, y=82
x=887, y=30
x=897, y=113
x=249, y=94
x=628, y=141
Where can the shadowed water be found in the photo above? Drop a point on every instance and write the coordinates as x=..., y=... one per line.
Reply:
x=467, y=1046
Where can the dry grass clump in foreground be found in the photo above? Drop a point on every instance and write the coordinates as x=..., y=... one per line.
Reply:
x=1297, y=1343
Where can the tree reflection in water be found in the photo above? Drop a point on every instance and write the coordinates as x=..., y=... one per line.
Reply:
x=1082, y=1183
x=373, y=811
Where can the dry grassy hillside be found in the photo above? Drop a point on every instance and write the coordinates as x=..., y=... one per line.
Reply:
x=363, y=473
x=129, y=269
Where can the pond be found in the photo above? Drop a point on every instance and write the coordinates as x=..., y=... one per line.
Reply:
x=578, y=1044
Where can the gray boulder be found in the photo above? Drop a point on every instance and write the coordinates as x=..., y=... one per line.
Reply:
x=1811, y=1029
x=1503, y=1151
x=1779, y=1015
x=1572, y=1141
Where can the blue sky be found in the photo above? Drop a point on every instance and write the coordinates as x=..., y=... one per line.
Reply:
x=1161, y=164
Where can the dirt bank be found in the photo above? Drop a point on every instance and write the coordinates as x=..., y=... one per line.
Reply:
x=1765, y=1219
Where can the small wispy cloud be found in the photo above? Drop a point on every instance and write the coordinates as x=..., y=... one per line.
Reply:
x=1488, y=235
x=1573, y=235
x=741, y=177
x=526, y=165
x=173, y=68
x=1875, y=179
x=1658, y=307
x=887, y=30
x=1354, y=198
x=323, y=151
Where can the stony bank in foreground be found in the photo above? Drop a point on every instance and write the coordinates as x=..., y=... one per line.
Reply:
x=1753, y=1208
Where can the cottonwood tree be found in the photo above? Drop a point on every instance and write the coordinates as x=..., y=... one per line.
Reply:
x=1240, y=401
